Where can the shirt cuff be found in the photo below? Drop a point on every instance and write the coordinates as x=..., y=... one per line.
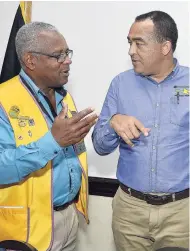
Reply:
x=108, y=130
x=48, y=145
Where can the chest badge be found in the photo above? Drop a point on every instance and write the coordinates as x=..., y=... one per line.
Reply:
x=29, y=133
x=14, y=113
x=21, y=123
x=186, y=91
x=181, y=91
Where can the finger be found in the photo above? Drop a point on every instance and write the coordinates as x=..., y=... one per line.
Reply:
x=129, y=134
x=82, y=136
x=64, y=112
x=141, y=127
x=93, y=123
x=127, y=140
x=77, y=117
x=85, y=129
x=146, y=131
x=87, y=121
x=134, y=131
x=90, y=118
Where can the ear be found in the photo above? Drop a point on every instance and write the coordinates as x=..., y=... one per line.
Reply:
x=166, y=47
x=30, y=61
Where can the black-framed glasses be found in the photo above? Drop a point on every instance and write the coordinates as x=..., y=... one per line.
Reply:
x=60, y=58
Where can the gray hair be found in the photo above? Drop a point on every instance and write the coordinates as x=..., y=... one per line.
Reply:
x=27, y=38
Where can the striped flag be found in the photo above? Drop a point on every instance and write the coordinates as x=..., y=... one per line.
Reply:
x=11, y=66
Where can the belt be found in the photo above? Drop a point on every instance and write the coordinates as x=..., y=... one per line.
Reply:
x=155, y=199
x=64, y=206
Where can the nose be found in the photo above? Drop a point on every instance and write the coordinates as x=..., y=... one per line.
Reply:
x=132, y=49
x=67, y=60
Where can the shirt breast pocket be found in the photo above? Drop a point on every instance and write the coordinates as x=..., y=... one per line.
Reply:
x=179, y=109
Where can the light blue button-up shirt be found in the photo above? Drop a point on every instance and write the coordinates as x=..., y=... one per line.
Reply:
x=160, y=162
x=17, y=163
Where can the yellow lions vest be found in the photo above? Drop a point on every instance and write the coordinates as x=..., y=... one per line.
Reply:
x=26, y=208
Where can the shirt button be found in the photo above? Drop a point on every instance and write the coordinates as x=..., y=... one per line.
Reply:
x=152, y=169
x=153, y=147
x=153, y=190
x=157, y=104
x=156, y=125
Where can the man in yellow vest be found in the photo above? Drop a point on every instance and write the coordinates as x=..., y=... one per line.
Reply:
x=43, y=169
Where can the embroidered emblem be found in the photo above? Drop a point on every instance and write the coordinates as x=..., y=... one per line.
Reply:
x=30, y=133
x=31, y=122
x=14, y=112
x=24, y=117
x=21, y=123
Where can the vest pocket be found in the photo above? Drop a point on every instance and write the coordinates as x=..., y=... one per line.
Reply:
x=14, y=223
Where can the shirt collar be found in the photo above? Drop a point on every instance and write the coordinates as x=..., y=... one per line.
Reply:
x=174, y=71
x=176, y=68
x=29, y=82
x=60, y=92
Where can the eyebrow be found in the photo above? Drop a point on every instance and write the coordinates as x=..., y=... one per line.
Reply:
x=135, y=39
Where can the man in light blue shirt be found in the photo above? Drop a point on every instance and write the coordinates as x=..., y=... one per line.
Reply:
x=45, y=59
x=146, y=114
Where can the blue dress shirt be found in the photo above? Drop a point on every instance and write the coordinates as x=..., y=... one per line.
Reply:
x=158, y=163
x=17, y=163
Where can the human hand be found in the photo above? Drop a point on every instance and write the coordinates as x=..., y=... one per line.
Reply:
x=128, y=127
x=68, y=131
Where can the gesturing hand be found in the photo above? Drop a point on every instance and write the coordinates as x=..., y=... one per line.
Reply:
x=68, y=131
x=128, y=127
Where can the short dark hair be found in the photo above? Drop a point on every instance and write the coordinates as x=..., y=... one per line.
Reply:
x=165, y=26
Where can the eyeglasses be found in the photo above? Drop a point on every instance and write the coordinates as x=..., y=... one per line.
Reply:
x=60, y=58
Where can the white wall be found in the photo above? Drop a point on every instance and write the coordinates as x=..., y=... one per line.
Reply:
x=7, y=14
